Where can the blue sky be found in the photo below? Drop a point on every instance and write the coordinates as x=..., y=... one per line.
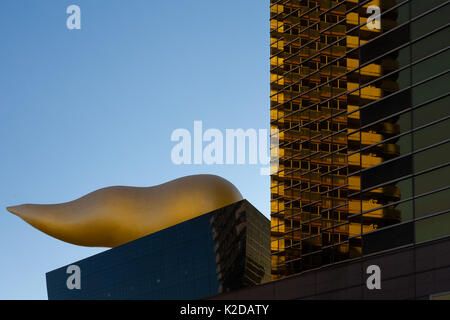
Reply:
x=85, y=109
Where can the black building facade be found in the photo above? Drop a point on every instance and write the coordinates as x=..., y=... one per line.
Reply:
x=413, y=272
x=217, y=252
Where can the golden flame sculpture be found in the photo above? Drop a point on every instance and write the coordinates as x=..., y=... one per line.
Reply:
x=113, y=216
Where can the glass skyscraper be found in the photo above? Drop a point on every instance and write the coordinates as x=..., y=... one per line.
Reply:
x=362, y=111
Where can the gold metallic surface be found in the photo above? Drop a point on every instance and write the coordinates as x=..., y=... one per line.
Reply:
x=115, y=215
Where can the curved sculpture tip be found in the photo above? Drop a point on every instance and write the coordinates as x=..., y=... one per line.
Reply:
x=113, y=216
x=14, y=210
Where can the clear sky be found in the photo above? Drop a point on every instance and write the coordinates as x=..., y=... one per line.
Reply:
x=84, y=109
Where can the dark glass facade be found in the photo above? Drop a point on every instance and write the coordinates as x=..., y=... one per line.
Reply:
x=217, y=252
x=363, y=116
x=420, y=272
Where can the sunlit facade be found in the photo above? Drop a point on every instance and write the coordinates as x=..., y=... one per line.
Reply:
x=363, y=119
